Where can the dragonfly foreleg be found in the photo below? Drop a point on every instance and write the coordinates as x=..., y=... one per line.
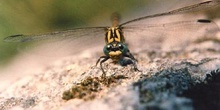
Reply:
x=105, y=58
x=131, y=60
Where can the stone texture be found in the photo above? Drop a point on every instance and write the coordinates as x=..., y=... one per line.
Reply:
x=167, y=76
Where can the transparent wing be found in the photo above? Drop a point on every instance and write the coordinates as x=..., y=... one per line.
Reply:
x=180, y=27
x=62, y=42
x=179, y=32
x=75, y=33
x=191, y=8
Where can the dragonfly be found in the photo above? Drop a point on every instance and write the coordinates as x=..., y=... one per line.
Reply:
x=115, y=47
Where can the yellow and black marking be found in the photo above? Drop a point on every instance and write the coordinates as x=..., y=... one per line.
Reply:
x=114, y=34
x=115, y=55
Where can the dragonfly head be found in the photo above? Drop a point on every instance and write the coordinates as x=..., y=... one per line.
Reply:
x=115, y=50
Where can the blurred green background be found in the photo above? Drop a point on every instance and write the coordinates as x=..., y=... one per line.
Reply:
x=41, y=16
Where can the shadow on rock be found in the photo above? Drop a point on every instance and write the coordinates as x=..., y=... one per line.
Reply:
x=206, y=95
x=160, y=92
x=176, y=90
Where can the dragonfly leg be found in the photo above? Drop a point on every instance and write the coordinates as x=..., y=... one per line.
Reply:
x=131, y=60
x=129, y=55
x=105, y=58
x=125, y=61
x=135, y=67
x=99, y=60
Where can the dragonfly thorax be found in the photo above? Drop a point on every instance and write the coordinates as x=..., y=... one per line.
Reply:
x=114, y=34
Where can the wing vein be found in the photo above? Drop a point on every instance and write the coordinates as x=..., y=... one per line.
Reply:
x=194, y=7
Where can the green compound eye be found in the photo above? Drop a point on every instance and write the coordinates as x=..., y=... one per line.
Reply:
x=123, y=48
x=120, y=46
x=109, y=47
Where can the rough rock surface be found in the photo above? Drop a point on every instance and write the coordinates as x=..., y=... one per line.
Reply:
x=169, y=79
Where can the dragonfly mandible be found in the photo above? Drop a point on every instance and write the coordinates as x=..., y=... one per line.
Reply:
x=115, y=47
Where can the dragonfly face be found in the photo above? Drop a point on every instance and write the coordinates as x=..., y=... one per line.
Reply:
x=115, y=50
